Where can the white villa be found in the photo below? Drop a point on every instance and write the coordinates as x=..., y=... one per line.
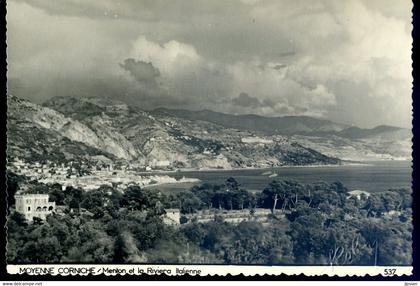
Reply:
x=34, y=205
x=358, y=194
x=172, y=217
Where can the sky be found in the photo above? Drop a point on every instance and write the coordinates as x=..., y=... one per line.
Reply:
x=347, y=61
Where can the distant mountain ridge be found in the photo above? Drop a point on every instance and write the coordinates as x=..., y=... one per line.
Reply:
x=70, y=128
x=358, y=133
x=286, y=125
x=343, y=141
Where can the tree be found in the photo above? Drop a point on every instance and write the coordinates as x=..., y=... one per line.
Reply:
x=205, y=193
x=125, y=249
x=374, y=205
x=94, y=245
x=188, y=202
x=274, y=192
x=93, y=199
x=11, y=250
x=195, y=233
x=56, y=194
x=391, y=241
x=17, y=218
x=240, y=198
x=282, y=251
x=307, y=232
x=13, y=182
x=345, y=245
x=41, y=247
x=332, y=194
x=375, y=234
x=232, y=184
x=134, y=198
x=391, y=200
x=73, y=197
x=287, y=192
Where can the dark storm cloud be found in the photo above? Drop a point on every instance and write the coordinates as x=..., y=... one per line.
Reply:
x=279, y=66
x=295, y=57
x=246, y=101
x=175, y=10
x=143, y=72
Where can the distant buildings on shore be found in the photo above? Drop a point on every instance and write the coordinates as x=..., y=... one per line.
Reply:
x=90, y=177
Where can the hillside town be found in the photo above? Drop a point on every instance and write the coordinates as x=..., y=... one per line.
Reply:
x=89, y=177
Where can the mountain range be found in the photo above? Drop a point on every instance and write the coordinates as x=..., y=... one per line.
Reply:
x=287, y=125
x=338, y=140
x=98, y=129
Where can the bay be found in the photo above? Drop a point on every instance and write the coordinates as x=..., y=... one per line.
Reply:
x=369, y=176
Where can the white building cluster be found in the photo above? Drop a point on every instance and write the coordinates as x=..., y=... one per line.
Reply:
x=66, y=175
x=34, y=205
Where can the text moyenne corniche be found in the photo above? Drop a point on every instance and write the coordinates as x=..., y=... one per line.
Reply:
x=109, y=270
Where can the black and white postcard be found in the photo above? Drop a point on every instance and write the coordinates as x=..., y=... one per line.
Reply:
x=209, y=138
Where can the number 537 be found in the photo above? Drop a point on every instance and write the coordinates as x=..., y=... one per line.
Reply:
x=389, y=271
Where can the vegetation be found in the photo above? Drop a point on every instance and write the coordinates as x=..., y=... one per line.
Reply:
x=310, y=224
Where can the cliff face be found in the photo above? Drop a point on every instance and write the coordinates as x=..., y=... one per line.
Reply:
x=69, y=128
x=51, y=121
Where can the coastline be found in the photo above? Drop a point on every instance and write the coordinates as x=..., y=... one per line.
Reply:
x=181, y=170
x=345, y=163
x=187, y=181
x=364, y=175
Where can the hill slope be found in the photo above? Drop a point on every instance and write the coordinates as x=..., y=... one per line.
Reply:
x=66, y=128
x=330, y=138
x=287, y=125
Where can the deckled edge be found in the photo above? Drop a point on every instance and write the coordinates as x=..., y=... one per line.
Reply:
x=414, y=140
x=302, y=273
x=4, y=211
x=132, y=270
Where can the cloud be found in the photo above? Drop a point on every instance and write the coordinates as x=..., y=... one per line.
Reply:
x=200, y=83
x=348, y=61
x=143, y=72
x=277, y=92
x=245, y=100
x=170, y=57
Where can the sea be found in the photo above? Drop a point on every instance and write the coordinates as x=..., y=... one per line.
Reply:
x=372, y=176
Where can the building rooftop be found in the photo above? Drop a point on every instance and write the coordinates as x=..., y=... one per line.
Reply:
x=358, y=192
x=31, y=195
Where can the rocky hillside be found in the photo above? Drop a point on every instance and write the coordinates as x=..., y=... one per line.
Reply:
x=333, y=139
x=37, y=134
x=357, y=144
x=91, y=129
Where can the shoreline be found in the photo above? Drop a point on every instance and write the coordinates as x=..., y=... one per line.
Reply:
x=214, y=170
x=191, y=181
x=185, y=170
